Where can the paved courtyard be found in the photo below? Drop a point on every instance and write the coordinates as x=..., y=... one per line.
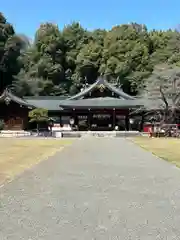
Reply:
x=96, y=189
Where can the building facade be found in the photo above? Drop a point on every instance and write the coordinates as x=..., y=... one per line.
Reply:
x=100, y=106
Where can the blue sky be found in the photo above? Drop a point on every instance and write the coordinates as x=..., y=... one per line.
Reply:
x=26, y=16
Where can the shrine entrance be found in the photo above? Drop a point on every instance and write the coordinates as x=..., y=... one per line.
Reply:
x=102, y=121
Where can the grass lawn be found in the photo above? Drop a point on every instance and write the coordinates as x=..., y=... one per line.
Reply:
x=165, y=148
x=16, y=155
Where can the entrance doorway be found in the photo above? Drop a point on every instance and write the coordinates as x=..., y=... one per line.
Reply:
x=82, y=122
x=102, y=122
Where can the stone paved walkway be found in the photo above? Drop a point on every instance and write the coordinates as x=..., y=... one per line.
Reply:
x=103, y=189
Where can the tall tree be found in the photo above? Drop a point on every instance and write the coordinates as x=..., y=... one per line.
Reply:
x=60, y=62
x=126, y=55
x=11, y=46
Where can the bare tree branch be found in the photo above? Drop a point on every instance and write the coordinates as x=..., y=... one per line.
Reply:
x=163, y=97
x=164, y=84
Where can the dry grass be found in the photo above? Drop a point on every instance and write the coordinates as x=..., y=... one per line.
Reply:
x=16, y=155
x=165, y=148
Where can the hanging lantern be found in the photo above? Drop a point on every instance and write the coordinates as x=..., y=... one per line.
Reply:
x=71, y=121
x=101, y=87
x=131, y=121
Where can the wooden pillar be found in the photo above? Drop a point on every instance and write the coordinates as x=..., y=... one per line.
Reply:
x=114, y=118
x=74, y=116
x=127, y=122
x=89, y=119
x=142, y=122
x=60, y=119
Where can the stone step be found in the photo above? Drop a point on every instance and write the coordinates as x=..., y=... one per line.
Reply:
x=101, y=134
x=11, y=133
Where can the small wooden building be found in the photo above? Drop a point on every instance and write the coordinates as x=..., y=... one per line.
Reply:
x=14, y=111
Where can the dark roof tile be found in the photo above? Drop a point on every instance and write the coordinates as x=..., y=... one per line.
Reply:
x=100, y=103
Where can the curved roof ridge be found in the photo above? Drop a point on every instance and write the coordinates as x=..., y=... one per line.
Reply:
x=85, y=91
x=119, y=92
x=103, y=81
x=8, y=94
x=2, y=96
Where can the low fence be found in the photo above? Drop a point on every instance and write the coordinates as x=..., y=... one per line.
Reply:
x=78, y=134
x=69, y=134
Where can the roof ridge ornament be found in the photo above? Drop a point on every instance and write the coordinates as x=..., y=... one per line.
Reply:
x=7, y=100
x=101, y=87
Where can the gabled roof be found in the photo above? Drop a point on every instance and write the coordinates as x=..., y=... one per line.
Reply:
x=105, y=102
x=42, y=98
x=50, y=103
x=56, y=103
x=8, y=96
x=101, y=81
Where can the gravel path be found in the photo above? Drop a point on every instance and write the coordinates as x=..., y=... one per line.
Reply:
x=98, y=188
